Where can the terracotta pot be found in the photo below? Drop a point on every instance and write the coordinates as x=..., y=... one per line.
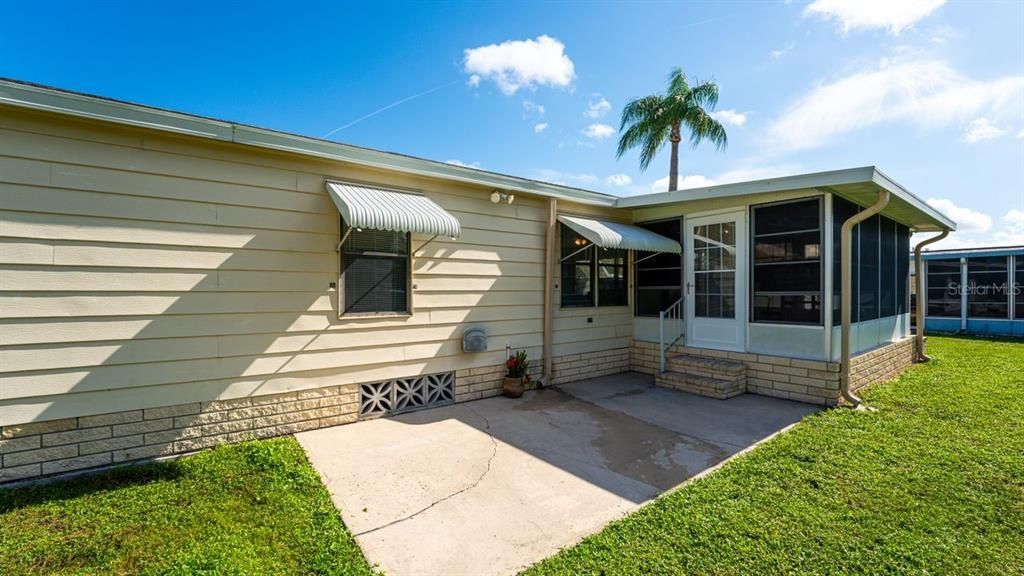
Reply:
x=513, y=387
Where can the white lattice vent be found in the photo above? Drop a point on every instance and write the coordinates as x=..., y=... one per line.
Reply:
x=403, y=394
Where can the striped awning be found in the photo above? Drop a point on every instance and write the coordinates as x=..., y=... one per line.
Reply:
x=378, y=209
x=608, y=234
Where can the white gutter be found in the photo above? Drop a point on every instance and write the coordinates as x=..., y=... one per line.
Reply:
x=922, y=285
x=846, y=289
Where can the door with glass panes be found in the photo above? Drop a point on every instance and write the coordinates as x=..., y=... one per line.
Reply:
x=716, y=280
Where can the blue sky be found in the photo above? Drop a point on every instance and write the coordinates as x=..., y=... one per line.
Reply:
x=932, y=92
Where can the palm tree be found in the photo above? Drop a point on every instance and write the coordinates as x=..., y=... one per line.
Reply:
x=649, y=121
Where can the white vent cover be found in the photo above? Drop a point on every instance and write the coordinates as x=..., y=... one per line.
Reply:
x=403, y=394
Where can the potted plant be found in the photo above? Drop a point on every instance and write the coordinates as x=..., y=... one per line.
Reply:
x=515, y=374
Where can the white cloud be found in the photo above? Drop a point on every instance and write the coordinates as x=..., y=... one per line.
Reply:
x=567, y=178
x=684, y=182
x=895, y=15
x=967, y=220
x=598, y=131
x=517, y=64
x=473, y=80
x=981, y=129
x=463, y=164
x=730, y=117
x=729, y=176
x=972, y=231
x=1021, y=133
x=757, y=173
x=619, y=180
x=926, y=92
x=540, y=127
x=597, y=109
x=1013, y=228
x=776, y=54
x=531, y=107
x=942, y=34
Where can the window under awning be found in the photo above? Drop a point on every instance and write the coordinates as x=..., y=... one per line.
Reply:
x=608, y=234
x=378, y=209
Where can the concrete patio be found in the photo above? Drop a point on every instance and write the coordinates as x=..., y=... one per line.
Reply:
x=493, y=486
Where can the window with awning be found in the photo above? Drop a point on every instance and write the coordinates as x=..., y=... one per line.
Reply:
x=375, y=249
x=594, y=255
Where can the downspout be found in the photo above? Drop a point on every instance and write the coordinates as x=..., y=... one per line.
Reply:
x=919, y=355
x=549, y=281
x=846, y=289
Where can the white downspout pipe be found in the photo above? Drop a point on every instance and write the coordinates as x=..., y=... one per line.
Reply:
x=922, y=285
x=846, y=289
x=549, y=282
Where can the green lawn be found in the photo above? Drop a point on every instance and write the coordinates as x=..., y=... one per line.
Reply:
x=254, y=508
x=932, y=483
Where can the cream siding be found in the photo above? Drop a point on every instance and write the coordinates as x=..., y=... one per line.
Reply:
x=141, y=269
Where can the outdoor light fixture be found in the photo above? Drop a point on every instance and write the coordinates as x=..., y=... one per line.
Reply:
x=580, y=241
x=497, y=197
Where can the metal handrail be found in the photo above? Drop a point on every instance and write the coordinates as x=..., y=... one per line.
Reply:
x=673, y=312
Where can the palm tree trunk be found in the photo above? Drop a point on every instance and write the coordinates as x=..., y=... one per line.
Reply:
x=673, y=165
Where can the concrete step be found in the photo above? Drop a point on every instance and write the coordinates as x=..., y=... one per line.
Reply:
x=706, y=366
x=702, y=385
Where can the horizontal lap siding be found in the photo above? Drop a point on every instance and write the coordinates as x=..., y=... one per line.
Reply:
x=141, y=270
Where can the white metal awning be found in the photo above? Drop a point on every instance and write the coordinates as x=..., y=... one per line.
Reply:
x=379, y=209
x=608, y=234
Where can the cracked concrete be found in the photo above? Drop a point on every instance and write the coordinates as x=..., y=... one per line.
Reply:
x=492, y=486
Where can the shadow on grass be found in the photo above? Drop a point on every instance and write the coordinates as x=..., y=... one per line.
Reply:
x=61, y=489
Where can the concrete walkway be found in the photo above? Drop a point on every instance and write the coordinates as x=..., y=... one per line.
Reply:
x=493, y=486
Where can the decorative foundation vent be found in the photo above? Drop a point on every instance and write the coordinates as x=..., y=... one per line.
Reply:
x=404, y=394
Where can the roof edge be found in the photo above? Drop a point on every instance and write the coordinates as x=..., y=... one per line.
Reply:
x=881, y=179
x=38, y=97
x=781, y=184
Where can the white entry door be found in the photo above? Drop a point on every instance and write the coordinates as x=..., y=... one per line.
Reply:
x=716, y=279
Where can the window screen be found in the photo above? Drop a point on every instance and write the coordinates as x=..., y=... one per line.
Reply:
x=887, y=288
x=943, y=288
x=659, y=278
x=842, y=210
x=787, y=262
x=375, y=271
x=988, y=295
x=902, y=269
x=1018, y=287
x=869, y=269
x=611, y=277
x=577, y=269
x=591, y=275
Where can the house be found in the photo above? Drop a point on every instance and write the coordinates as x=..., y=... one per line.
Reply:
x=171, y=282
x=975, y=291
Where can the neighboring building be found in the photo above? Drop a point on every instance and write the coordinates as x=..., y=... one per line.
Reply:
x=169, y=282
x=975, y=291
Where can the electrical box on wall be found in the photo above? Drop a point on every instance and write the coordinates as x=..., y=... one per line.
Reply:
x=474, y=340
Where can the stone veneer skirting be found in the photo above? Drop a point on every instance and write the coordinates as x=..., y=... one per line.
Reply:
x=811, y=381
x=58, y=446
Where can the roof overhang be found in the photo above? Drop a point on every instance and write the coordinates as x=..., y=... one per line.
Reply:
x=609, y=234
x=859, y=185
x=380, y=209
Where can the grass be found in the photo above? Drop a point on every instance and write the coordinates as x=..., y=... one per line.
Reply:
x=253, y=508
x=932, y=483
